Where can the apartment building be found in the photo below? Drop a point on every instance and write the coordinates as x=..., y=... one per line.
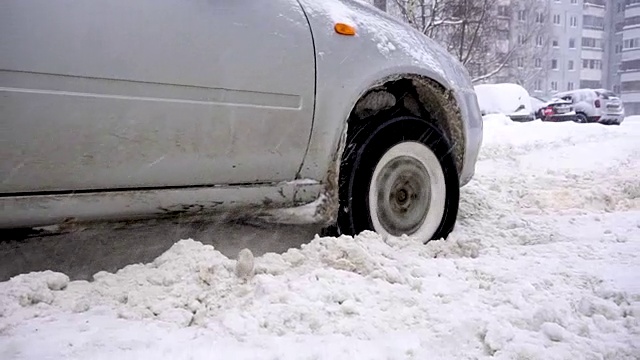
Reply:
x=630, y=55
x=579, y=53
x=587, y=44
x=564, y=59
x=614, y=23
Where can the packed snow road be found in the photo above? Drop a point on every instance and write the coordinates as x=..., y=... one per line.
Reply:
x=544, y=264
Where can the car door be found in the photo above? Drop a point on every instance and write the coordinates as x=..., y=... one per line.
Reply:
x=119, y=94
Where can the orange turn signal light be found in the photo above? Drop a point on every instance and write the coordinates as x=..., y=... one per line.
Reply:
x=344, y=29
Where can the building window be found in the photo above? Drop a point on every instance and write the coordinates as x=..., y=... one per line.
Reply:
x=522, y=40
x=556, y=19
x=572, y=43
x=538, y=63
x=574, y=1
x=537, y=86
x=590, y=84
x=555, y=43
x=554, y=85
x=540, y=40
x=570, y=65
x=539, y=18
x=631, y=21
x=569, y=85
x=593, y=22
x=522, y=15
x=630, y=65
x=520, y=62
x=631, y=43
x=554, y=64
x=573, y=22
x=592, y=64
x=630, y=86
x=592, y=43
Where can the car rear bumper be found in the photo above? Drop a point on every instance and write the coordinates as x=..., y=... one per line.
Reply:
x=561, y=118
x=611, y=119
x=608, y=119
x=522, y=118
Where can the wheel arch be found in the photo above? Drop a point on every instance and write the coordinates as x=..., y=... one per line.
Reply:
x=429, y=97
x=583, y=113
x=416, y=95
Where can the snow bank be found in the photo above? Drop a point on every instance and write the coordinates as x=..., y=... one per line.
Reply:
x=543, y=265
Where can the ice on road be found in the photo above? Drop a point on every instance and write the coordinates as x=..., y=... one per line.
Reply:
x=544, y=264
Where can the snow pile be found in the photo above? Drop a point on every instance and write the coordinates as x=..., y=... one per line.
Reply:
x=503, y=99
x=543, y=265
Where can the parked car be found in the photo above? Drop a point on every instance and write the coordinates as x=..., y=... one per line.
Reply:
x=268, y=110
x=595, y=105
x=556, y=110
x=536, y=105
x=509, y=99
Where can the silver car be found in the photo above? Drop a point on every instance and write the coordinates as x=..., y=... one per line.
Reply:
x=291, y=111
x=595, y=105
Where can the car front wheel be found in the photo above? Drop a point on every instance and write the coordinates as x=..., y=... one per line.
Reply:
x=398, y=177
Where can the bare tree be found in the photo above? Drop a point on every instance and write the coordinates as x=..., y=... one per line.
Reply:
x=529, y=63
x=480, y=33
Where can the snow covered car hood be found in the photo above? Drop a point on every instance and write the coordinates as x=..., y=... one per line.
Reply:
x=508, y=99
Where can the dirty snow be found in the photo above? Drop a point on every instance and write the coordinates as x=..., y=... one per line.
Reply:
x=543, y=264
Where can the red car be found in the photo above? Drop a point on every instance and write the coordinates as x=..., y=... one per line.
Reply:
x=556, y=110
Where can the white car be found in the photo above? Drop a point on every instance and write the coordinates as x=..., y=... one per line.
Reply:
x=509, y=99
x=595, y=105
x=118, y=109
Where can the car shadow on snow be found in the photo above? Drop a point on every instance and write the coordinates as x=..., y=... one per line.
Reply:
x=84, y=252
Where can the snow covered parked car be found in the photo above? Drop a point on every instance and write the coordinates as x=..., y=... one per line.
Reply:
x=117, y=110
x=509, y=99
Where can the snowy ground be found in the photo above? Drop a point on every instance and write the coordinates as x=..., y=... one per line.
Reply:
x=544, y=264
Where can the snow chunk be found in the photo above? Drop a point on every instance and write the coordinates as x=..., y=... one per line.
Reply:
x=498, y=335
x=56, y=281
x=177, y=316
x=553, y=331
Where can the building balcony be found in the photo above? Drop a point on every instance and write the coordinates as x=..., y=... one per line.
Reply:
x=598, y=3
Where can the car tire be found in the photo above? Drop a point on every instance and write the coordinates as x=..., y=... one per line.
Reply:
x=581, y=118
x=398, y=176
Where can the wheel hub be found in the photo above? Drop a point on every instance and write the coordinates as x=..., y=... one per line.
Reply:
x=403, y=195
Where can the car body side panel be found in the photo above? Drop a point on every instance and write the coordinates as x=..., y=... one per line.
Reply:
x=348, y=66
x=116, y=94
